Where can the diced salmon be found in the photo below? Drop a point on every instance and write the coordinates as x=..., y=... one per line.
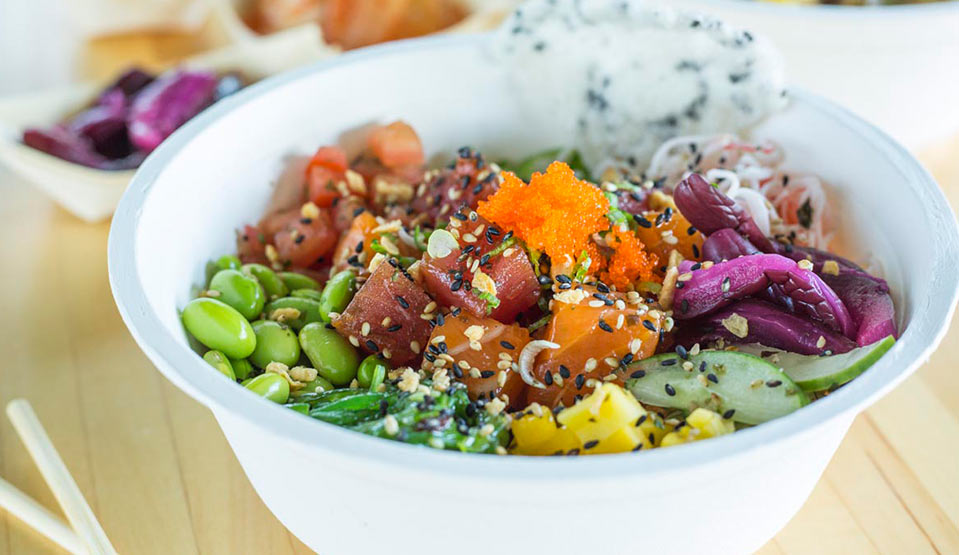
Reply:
x=354, y=249
x=593, y=343
x=665, y=230
x=391, y=305
x=480, y=369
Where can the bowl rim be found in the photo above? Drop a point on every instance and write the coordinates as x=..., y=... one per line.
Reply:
x=185, y=368
x=837, y=10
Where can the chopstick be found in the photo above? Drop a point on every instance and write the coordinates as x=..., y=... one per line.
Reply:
x=39, y=518
x=55, y=472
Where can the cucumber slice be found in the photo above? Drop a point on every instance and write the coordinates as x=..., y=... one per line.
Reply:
x=821, y=373
x=737, y=385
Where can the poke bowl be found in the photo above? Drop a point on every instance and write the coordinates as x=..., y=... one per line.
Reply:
x=345, y=492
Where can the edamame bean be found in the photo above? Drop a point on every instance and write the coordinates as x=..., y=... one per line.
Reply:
x=242, y=368
x=225, y=262
x=293, y=280
x=219, y=326
x=332, y=355
x=270, y=386
x=219, y=361
x=316, y=385
x=241, y=291
x=307, y=294
x=337, y=293
x=307, y=310
x=272, y=284
x=274, y=343
x=368, y=369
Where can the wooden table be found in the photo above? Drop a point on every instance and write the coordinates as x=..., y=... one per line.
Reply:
x=160, y=475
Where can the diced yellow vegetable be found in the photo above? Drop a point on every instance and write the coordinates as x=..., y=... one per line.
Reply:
x=603, y=422
x=701, y=424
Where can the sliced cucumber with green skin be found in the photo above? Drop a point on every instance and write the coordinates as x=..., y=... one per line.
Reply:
x=822, y=373
x=737, y=385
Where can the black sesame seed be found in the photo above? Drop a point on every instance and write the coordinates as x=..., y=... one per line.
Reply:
x=590, y=444
x=670, y=390
x=702, y=366
x=457, y=371
x=563, y=371
x=455, y=286
x=668, y=362
x=548, y=378
x=299, y=239
x=440, y=320
x=372, y=346
x=507, y=345
x=640, y=420
x=690, y=230
x=681, y=351
x=305, y=221
x=695, y=251
x=580, y=380
x=684, y=306
x=604, y=326
x=602, y=287
x=484, y=259
x=774, y=383
x=725, y=284
x=563, y=278
x=545, y=280
x=573, y=452
x=668, y=212
x=649, y=325
x=564, y=286
x=626, y=359
x=642, y=221
x=460, y=216
x=695, y=266
x=394, y=327
x=712, y=377
x=464, y=152
x=638, y=374
x=402, y=302
x=729, y=414
x=680, y=284
x=487, y=374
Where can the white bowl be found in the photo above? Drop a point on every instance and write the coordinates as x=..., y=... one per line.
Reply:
x=893, y=65
x=342, y=492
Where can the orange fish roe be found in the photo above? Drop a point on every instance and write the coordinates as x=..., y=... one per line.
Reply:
x=556, y=213
x=629, y=261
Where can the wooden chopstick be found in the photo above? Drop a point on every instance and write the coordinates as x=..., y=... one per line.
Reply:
x=39, y=518
x=61, y=483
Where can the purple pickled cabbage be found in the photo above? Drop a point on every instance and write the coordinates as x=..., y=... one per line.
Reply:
x=727, y=244
x=130, y=82
x=816, y=256
x=167, y=103
x=105, y=126
x=724, y=282
x=869, y=304
x=709, y=210
x=767, y=324
x=66, y=144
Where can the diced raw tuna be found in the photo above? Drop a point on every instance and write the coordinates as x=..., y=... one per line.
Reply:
x=468, y=181
x=452, y=279
x=388, y=293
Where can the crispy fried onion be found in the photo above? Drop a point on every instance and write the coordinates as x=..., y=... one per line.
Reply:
x=528, y=355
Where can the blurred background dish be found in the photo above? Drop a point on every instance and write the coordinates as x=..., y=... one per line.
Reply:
x=893, y=65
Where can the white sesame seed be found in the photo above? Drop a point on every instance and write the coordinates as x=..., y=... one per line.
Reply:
x=596, y=303
x=365, y=329
x=354, y=341
x=590, y=364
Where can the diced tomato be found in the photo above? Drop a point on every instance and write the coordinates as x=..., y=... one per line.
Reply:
x=358, y=234
x=387, y=293
x=450, y=279
x=480, y=368
x=302, y=241
x=469, y=181
x=589, y=337
x=251, y=245
x=396, y=145
x=665, y=230
x=326, y=168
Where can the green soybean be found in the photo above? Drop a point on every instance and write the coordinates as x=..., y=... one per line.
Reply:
x=225, y=262
x=293, y=280
x=219, y=326
x=274, y=343
x=241, y=291
x=371, y=368
x=316, y=385
x=308, y=308
x=270, y=386
x=272, y=284
x=307, y=294
x=219, y=361
x=332, y=355
x=337, y=293
x=242, y=368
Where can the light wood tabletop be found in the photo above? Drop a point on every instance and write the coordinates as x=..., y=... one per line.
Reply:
x=161, y=477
